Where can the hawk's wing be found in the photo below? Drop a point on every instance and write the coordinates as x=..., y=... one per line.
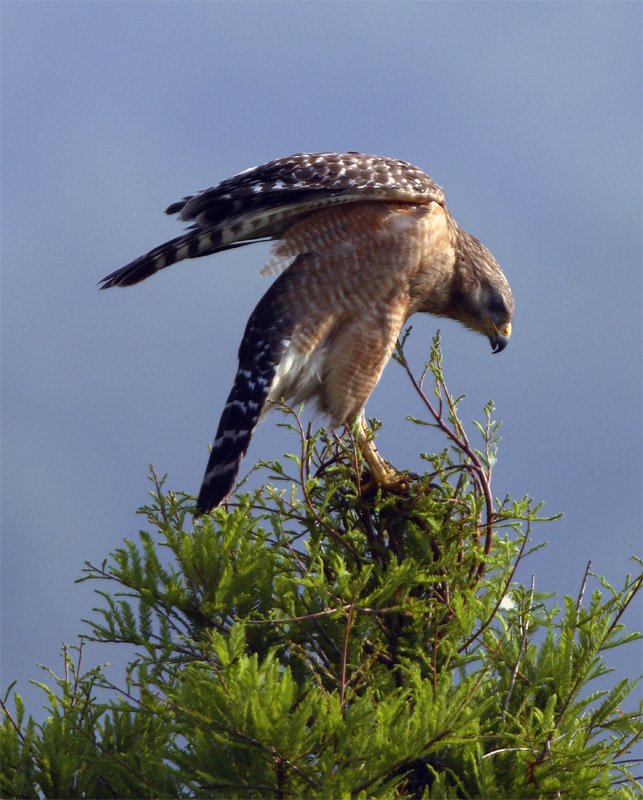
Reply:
x=263, y=202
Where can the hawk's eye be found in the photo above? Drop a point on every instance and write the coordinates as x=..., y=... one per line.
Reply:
x=496, y=305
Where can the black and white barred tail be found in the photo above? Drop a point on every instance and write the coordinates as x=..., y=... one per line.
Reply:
x=194, y=244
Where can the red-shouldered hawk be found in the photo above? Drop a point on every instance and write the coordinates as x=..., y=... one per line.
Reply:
x=361, y=242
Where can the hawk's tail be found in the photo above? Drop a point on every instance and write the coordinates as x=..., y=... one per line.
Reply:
x=194, y=244
x=265, y=340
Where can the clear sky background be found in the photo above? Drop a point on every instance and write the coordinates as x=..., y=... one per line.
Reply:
x=528, y=114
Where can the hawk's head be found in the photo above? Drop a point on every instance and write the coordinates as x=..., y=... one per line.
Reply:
x=480, y=297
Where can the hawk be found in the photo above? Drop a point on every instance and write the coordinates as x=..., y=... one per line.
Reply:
x=360, y=244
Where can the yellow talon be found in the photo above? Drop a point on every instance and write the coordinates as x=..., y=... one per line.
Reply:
x=382, y=474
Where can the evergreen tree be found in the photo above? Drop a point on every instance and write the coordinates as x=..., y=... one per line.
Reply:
x=311, y=640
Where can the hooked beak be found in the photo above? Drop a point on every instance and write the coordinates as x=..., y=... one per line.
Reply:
x=499, y=337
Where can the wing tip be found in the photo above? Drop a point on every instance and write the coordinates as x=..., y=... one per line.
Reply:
x=213, y=492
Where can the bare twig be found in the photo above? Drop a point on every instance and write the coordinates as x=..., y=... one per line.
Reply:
x=461, y=441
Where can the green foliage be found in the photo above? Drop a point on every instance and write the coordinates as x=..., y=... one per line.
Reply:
x=314, y=641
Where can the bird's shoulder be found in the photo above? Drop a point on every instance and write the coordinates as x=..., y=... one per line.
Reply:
x=310, y=181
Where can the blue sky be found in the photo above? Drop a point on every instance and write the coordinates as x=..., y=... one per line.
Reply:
x=529, y=116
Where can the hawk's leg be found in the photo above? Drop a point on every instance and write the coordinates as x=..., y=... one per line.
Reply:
x=382, y=474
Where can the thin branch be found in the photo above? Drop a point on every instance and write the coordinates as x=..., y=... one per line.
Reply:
x=462, y=443
x=581, y=594
x=523, y=642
